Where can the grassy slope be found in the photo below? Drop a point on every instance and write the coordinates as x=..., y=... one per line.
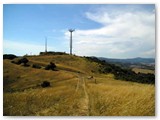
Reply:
x=143, y=70
x=71, y=92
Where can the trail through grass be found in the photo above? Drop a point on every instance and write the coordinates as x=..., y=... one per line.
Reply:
x=71, y=92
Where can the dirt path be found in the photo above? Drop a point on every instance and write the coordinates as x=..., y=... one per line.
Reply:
x=78, y=82
x=83, y=103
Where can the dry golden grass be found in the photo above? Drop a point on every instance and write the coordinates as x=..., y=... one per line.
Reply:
x=137, y=70
x=121, y=98
x=68, y=61
x=71, y=92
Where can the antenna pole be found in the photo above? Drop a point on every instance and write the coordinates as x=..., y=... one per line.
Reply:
x=70, y=43
x=71, y=30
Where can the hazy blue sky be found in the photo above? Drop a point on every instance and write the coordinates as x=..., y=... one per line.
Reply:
x=113, y=31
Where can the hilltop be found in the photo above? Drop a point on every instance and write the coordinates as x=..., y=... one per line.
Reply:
x=78, y=86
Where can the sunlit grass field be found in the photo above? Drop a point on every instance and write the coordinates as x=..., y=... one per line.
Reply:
x=143, y=70
x=72, y=91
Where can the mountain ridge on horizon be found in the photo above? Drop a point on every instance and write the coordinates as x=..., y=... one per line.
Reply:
x=129, y=60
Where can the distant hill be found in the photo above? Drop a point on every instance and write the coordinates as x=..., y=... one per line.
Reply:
x=130, y=60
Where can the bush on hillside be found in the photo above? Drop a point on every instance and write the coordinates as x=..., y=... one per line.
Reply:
x=24, y=61
x=36, y=66
x=123, y=74
x=53, y=53
x=17, y=61
x=51, y=66
x=45, y=84
x=20, y=61
x=9, y=56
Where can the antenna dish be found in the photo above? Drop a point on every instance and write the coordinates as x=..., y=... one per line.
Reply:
x=71, y=30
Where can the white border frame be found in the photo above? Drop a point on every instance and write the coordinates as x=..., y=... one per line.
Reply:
x=156, y=2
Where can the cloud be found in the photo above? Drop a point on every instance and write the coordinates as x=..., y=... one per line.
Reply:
x=126, y=33
x=20, y=48
x=149, y=52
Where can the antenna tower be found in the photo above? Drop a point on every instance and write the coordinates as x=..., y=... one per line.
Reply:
x=71, y=30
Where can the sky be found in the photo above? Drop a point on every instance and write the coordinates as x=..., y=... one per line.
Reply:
x=101, y=30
